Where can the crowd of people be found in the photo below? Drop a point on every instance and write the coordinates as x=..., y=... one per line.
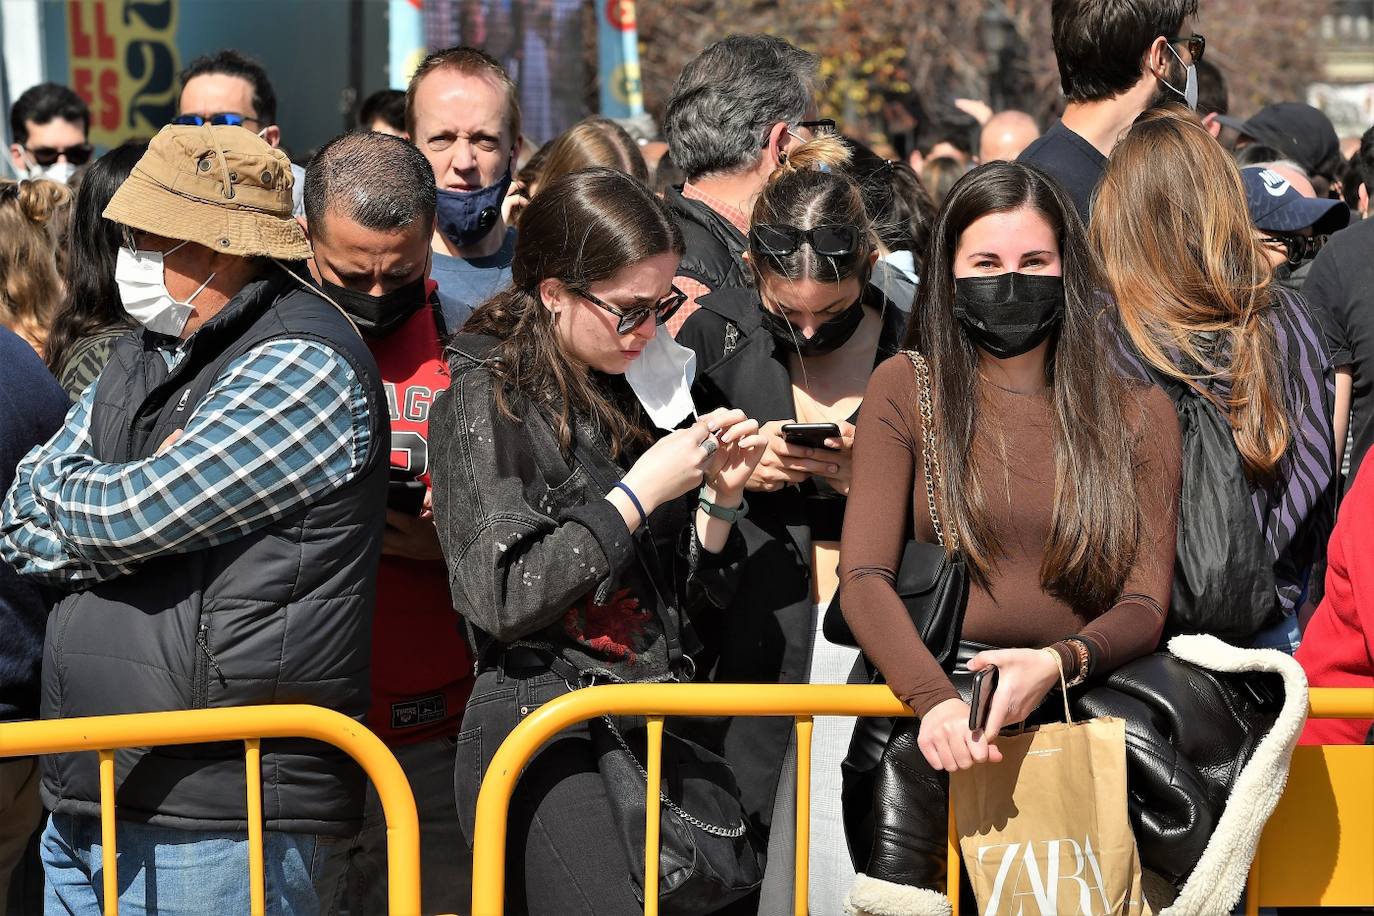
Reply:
x=694, y=399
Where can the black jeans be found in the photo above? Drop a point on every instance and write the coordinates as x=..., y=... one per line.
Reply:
x=562, y=852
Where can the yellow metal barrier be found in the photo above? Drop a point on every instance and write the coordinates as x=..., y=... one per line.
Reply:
x=803, y=703
x=249, y=724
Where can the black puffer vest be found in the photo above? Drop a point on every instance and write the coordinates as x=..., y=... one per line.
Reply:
x=282, y=615
x=714, y=247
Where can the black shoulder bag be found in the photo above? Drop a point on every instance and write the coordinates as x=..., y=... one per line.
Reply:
x=931, y=581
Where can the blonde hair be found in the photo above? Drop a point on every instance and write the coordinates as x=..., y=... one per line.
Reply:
x=30, y=284
x=1190, y=280
x=590, y=143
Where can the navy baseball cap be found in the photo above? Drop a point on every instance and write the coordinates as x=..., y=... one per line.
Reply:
x=1276, y=206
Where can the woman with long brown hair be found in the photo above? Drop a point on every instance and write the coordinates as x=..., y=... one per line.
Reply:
x=1194, y=298
x=30, y=281
x=1057, y=479
x=580, y=540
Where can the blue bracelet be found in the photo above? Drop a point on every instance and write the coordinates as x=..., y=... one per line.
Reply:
x=643, y=519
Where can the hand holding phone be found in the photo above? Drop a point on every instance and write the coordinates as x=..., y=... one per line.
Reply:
x=984, y=684
x=812, y=435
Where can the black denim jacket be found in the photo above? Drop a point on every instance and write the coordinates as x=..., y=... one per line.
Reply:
x=538, y=557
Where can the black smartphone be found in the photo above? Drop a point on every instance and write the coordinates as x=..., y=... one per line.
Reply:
x=984, y=685
x=406, y=497
x=810, y=434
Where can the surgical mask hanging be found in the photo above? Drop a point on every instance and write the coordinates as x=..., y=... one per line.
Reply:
x=465, y=217
x=1189, y=92
x=661, y=378
x=143, y=291
x=1009, y=314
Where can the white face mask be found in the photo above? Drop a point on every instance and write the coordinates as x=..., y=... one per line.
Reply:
x=1189, y=91
x=142, y=289
x=661, y=377
x=61, y=172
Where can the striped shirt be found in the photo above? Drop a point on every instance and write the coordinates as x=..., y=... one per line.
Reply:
x=1308, y=468
x=286, y=423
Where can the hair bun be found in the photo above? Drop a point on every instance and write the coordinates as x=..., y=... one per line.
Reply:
x=824, y=153
x=40, y=198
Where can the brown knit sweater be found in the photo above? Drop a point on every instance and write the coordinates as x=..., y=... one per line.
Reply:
x=1014, y=433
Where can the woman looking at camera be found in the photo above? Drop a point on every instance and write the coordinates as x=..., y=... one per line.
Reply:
x=1058, y=478
x=797, y=348
x=579, y=540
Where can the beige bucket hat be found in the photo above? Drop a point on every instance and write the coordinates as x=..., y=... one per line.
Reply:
x=218, y=186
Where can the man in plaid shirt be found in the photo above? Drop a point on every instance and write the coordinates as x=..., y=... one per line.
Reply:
x=214, y=504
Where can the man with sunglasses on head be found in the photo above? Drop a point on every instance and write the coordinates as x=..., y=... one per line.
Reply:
x=1115, y=60
x=49, y=124
x=736, y=110
x=230, y=88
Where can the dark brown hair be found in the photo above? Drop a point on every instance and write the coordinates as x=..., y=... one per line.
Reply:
x=1095, y=530
x=579, y=229
x=1184, y=266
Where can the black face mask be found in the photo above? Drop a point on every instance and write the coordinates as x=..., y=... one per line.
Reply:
x=378, y=316
x=1011, y=313
x=827, y=338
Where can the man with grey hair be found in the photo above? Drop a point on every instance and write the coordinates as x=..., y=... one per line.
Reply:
x=370, y=212
x=736, y=110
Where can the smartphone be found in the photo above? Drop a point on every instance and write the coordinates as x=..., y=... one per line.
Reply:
x=810, y=434
x=406, y=497
x=984, y=684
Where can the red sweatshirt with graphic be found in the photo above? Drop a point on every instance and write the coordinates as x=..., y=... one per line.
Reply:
x=1337, y=648
x=421, y=664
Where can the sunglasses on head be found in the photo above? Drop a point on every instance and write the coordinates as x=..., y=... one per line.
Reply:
x=1196, y=44
x=778, y=240
x=47, y=155
x=1299, y=248
x=220, y=119
x=661, y=310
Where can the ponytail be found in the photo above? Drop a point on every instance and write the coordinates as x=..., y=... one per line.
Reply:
x=825, y=153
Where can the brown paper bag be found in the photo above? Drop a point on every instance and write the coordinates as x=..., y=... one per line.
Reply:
x=1046, y=831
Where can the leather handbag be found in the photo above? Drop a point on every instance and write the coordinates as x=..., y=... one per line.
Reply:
x=932, y=581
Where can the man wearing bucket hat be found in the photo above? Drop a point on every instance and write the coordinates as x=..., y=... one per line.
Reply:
x=214, y=504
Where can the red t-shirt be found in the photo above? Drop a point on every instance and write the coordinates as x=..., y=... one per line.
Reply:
x=421, y=664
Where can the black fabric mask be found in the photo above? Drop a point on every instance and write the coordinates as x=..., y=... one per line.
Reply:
x=827, y=337
x=378, y=316
x=1011, y=313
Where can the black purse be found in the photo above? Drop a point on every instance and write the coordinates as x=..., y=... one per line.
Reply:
x=932, y=581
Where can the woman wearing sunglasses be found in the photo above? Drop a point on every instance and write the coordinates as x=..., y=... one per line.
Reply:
x=580, y=540
x=797, y=348
x=1056, y=477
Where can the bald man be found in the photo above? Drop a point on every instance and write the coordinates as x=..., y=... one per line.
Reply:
x=1005, y=135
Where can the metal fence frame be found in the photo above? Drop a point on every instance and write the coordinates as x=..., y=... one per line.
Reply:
x=249, y=724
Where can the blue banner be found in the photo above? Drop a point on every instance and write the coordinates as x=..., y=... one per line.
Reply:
x=622, y=95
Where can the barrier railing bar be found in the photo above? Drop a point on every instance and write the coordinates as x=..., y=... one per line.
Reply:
x=252, y=769
x=654, y=759
x=801, y=872
x=953, y=865
x=109, y=854
x=241, y=723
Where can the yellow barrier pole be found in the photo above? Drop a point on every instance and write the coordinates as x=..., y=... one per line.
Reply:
x=252, y=771
x=654, y=759
x=109, y=853
x=791, y=700
x=952, y=885
x=801, y=876
x=52, y=736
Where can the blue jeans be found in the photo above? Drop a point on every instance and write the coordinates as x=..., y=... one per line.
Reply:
x=173, y=872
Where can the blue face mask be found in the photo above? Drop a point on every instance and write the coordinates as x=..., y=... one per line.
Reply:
x=465, y=217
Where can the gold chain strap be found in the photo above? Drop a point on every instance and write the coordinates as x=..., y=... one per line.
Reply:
x=928, y=452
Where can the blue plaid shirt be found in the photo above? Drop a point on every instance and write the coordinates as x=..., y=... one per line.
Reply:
x=286, y=423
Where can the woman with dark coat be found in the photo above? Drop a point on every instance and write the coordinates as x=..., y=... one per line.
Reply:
x=799, y=347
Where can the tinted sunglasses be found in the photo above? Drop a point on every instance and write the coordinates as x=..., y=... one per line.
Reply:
x=47, y=155
x=820, y=127
x=1299, y=247
x=661, y=310
x=1196, y=44
x=778, y=241
x=221, y=119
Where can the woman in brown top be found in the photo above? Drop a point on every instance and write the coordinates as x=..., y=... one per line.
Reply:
x=1060, y=479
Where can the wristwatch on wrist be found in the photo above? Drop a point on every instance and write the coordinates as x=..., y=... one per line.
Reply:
x=1084, y=656
x=722, y=513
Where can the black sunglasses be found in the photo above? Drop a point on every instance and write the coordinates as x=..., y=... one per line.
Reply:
x=47, y=155
x=819, y=128
x=661, y=310
x=1195, y=43
x=779, y=241
x=222, y=119
x=1299, y=248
